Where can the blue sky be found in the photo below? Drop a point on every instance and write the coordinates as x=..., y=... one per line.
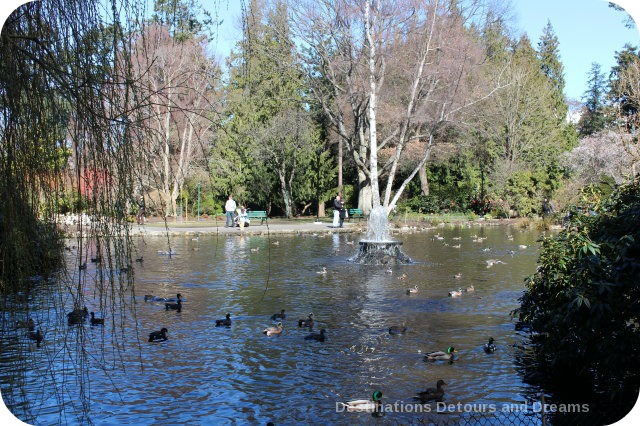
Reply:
x=588, y=31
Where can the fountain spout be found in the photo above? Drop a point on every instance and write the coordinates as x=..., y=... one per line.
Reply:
x=378, y=248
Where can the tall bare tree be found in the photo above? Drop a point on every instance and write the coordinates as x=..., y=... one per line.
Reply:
x=179, y=84
x=393, y=74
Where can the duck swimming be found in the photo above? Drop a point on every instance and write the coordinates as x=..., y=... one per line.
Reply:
x=432, y=394
x=177, y=306
x=320, y=337
x=455, y=293
x=224, y=322
x=281, y=315
x=37, y=336
x=323, y=271
x=440, y=355
x=367, y=405
x=96, y=321
x=413, y=290
x=398, y=329
x=157, y=336
x=273, y=331
x=490, y=347
x=77, y=316
x=306, y=322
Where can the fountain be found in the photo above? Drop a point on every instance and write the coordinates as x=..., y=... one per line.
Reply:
x=378, y=248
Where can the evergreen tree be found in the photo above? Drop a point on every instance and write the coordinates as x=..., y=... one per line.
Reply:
x=627, y=63
x=551, y=66
x=593, y=118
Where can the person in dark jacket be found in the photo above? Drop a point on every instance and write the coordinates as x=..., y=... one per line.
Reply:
x=339, y=207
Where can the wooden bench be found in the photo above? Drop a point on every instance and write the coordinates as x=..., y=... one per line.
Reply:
x=355, y=213
x=257, y=214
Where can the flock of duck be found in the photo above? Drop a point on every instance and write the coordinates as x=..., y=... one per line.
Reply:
x=430, y=394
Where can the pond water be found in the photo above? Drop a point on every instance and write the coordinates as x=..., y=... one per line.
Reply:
x=207, y=374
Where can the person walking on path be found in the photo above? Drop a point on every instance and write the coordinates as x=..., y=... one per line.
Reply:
x=230, y=208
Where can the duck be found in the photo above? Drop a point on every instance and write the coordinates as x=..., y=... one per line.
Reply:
x=255, y=250
x=140, y=259
x=456, y=246
x=82, y=266
x=149, y=297
x=97, y=259
x=77, y=316
x=96, y=321
x=389, y=271
x=455, y=293
x=491, y=262
x=323, y=271
x=156, y=336
x=279, y=316
x=470, y=289
x=273, y=331
x=490, y=347
x=177, y=306
x=458, y=275
x=306, y=322
x=440, y=355
x=316, y=336
x=432, y=394
x=398, y=329
x=413, y=290
x=37, y=336
x=368, y=405
x=522, y=247
x=29, y=324
x=403, y=276
x=226, y=321
x=276, y=243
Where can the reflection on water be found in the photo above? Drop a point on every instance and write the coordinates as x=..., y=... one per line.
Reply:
x=237, y=374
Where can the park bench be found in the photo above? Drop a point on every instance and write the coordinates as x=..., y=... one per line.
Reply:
x=257, y=214
x=357, y=213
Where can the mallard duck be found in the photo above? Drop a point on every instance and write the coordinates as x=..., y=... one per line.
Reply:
x=489, y=347
x=470, y=289
x=316, y=336
x=255, y=250
x=456, y=246
x=77, y=316
x=37, y=336
x=402, y=277
x=367, y=405
x=398, y=329
x=440, y=355
x=458, y=275
x=224, y=322
x=157, y=336
x=323, y=271
x=177, y=306
x=432, y=394
x=96, y=321
x=29, y=324
x=279, y=316
x=273, y=331
x=412, y=290
x=455, y=293
x=306, y=322
x=140, y=259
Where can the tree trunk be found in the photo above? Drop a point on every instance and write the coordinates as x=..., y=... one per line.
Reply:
x=424, y=181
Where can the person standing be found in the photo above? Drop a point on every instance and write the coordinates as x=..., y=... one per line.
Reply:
x=230, y=208
x=338, y=212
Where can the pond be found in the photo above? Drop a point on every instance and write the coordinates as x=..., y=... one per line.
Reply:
x=207, y=374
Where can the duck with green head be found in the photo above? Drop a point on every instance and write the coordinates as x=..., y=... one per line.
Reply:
x=363, y=405
x=440, y=355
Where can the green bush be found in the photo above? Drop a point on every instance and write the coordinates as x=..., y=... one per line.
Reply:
x=583, y=303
